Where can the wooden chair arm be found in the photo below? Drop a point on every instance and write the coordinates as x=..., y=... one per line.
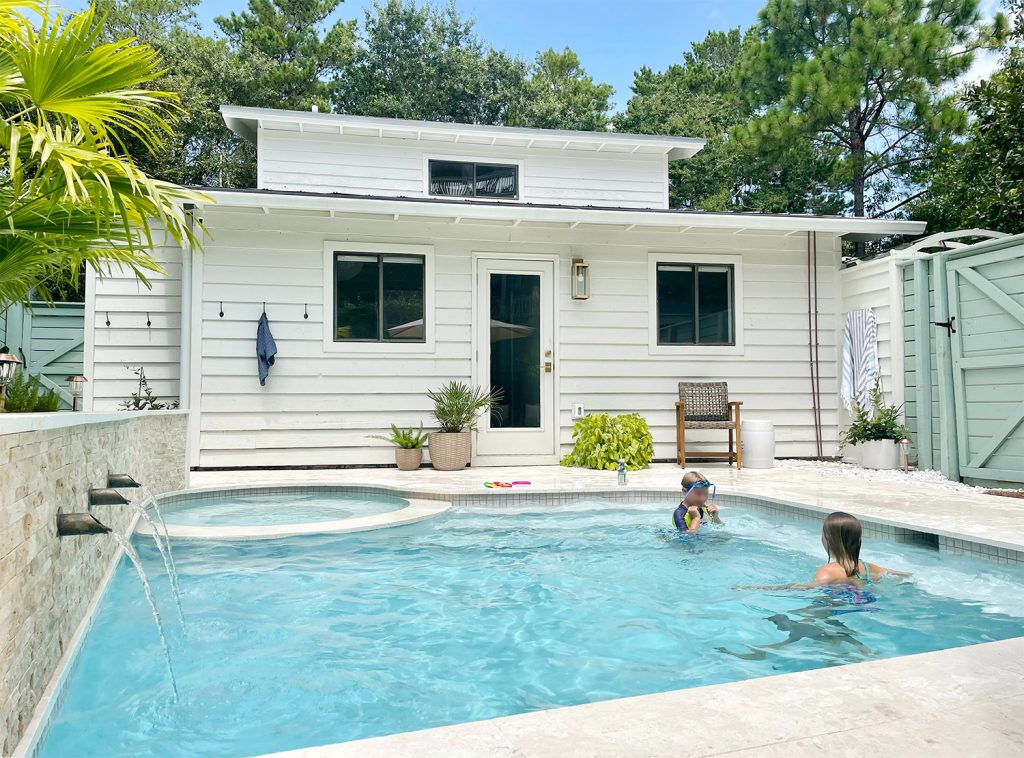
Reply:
x=735, y=402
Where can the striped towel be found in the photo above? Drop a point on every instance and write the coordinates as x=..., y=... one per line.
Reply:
x=860, y=358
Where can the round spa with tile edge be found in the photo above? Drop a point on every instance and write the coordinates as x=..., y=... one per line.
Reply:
x=281, y=511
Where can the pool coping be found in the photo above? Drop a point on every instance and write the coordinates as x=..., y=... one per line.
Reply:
x=415, y=510
x=429, y=503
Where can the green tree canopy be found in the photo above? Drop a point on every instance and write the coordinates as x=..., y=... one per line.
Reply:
x=204, y=73
x=865, y=79
x=561, y=95
x=302, y=59
x=979, y=182
x=425, y=62
x=698, y=98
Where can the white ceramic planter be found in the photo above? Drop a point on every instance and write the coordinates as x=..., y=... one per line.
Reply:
x=851, y=454
x=880, y=454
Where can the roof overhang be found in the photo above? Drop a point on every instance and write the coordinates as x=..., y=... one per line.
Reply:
x=246, y=122
x=551, y=216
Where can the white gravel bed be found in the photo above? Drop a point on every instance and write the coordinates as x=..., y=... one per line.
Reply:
x=923, y=478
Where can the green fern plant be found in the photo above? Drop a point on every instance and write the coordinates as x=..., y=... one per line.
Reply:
x=407, y=439
x=26, y=394
x=600, y=441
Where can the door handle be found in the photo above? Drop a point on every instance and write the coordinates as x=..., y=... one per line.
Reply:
x=546, y=365
x=947, y=324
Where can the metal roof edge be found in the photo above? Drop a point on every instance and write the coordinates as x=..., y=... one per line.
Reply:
x=243, y=120
x=573, y=214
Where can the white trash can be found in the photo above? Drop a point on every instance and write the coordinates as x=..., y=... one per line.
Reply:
x=758, y=443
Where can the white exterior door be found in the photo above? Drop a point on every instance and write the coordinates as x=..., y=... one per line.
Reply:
x=514, y=337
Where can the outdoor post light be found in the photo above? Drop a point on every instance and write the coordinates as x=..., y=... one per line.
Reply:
x=580, y=279
x=77, y=385
x=8, y=365
x=905, y=451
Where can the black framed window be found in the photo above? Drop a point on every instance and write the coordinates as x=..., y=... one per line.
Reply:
x=463, y=179
x=695, y=304
x=379, y=298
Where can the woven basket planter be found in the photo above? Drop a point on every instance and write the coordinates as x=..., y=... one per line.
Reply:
x=450, y=451
x=408, y=459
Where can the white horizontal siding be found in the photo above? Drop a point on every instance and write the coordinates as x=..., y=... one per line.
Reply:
x=317, y=162
x=870, y=285
x=319, y=408
x=128, y=343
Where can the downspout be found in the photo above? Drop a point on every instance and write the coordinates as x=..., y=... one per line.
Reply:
x=185, y=356
x=812, y=318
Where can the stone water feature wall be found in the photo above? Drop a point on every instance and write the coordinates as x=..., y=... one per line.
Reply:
x=46, y=583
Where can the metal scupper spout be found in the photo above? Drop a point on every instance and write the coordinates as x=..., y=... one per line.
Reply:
x=76, y=524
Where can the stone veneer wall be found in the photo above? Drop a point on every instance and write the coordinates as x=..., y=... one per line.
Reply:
x=46, y=582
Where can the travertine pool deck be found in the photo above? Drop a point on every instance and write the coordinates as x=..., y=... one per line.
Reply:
x=964, y=701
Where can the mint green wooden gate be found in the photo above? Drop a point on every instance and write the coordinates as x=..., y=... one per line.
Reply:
x=964, y=347
x=51, y=340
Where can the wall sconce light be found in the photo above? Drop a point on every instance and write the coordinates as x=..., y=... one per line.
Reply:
x=77, y=385
x=580, y=279
x=8, y=365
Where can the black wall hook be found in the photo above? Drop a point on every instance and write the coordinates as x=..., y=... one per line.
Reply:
x=108, y=318
x=264, y=307
x=222, y=309
x=149, y=321
x=305, y=310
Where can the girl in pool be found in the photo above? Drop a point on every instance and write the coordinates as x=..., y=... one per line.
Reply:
x=841, y=538
x=695, y=507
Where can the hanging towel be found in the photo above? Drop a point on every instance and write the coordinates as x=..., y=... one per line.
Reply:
x=860, y=358
x=266, y=348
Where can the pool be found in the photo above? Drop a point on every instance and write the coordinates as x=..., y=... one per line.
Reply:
x=482, y=613
x=273, y=507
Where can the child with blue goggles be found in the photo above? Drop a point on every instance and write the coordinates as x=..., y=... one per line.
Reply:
x=696, y=506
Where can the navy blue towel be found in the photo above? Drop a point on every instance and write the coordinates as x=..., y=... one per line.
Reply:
x=266, y=348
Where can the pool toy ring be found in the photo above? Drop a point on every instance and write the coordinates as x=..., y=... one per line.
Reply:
x=504, y=485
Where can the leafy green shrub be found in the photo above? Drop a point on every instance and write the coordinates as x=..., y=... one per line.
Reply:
x=879, y=422
x=26, y=394
x=600, y=441
x=407, y=439
x=457, y=406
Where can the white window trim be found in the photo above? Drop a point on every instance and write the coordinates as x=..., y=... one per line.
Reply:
x=378, y=348
x=520, y=174
x=736, y=261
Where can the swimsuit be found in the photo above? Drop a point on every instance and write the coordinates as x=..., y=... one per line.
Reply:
x=681, y=518
x=867, y=574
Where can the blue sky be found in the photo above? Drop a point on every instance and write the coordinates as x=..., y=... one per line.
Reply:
x=613, y=38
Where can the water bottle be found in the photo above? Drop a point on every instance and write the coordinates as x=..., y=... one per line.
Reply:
x=623, y=477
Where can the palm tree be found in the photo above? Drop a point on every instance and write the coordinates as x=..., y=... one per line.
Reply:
x=69, y=194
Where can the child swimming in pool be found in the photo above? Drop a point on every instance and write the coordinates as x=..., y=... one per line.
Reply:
x=841, y=538
x=696, y=507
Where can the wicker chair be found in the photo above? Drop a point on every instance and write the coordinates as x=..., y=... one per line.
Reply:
x=705, y=405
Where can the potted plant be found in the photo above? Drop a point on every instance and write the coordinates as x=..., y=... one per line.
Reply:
x=876, y=433
x=408, y=446
x=457, y=407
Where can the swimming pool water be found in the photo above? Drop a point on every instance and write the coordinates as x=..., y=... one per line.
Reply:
x=313, y=640
x=279, y=508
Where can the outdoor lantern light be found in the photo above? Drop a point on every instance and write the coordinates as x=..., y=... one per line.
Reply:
x=580, y=279
x=8, y=365
x=76, y=384
x=905, y=451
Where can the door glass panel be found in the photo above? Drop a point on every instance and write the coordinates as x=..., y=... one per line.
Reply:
x=515, y=350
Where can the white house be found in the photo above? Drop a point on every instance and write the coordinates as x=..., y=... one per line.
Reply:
x=392, y=256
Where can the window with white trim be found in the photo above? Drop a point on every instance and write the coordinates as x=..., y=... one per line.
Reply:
x=695, y=304
x=379, y=297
